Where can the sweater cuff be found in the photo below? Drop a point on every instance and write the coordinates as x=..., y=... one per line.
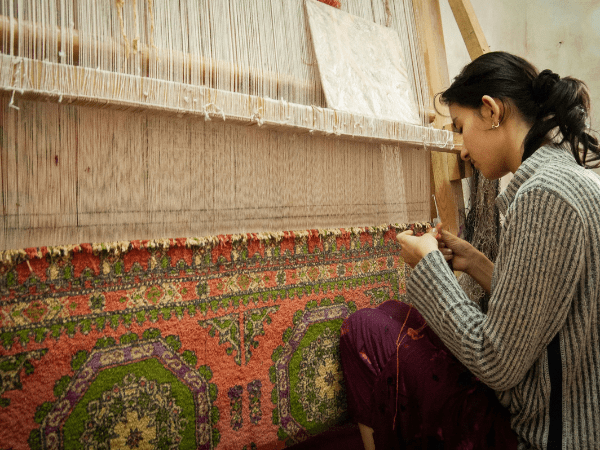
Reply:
x=431, y=274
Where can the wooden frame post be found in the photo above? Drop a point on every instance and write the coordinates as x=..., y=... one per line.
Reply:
x=428, y=18
x=469, y=27
x=447, y=169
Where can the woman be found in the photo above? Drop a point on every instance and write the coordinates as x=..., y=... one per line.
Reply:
x=536, y=347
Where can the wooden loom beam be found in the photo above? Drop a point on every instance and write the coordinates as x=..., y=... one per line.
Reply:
x=469, y=27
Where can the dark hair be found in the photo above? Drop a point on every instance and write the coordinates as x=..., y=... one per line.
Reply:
x=543, y=99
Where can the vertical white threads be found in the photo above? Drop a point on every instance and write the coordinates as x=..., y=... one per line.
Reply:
x=388, y=13
x=347, y=181
x=3, y=175
x=150, y=4
x=92, y=173
x=21, y=37
x=141, y=175
x=136, y=39
x=258, y=48
x=240, y=167
x=10, y=38
x=12, y=133
x=264, y=160
x=256, y=44
x=198, y=174
x=120, y=4
x=154, y=134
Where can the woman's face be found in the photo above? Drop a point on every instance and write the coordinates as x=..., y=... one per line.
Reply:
x=485, y=147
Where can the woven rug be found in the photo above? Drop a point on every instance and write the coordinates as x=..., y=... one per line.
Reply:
x=228, y=342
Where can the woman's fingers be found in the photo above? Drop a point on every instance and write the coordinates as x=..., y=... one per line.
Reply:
x=449, y=237
x=439, y=228
x=450, y=240
x=447, y=252
x=441, y=235
x=414, y=248
x=400, y=236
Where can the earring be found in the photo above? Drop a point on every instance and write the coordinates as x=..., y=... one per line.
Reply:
x=495, y=125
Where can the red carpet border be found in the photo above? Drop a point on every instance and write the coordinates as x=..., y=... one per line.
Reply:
x=228, y=342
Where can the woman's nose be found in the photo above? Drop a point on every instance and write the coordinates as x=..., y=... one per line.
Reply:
x=464, y=154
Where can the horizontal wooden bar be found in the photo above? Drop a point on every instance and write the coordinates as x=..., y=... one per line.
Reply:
x=36, y=79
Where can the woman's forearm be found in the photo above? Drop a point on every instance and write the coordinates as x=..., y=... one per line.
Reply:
x=481, y=270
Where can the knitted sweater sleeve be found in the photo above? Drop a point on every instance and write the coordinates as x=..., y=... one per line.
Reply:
x=537, y=274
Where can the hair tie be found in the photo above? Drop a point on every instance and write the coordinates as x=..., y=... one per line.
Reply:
x=543, y=85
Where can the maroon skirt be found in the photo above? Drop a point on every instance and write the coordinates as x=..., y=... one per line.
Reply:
x=403, y=382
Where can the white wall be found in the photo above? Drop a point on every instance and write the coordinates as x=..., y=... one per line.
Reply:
x=560, y=35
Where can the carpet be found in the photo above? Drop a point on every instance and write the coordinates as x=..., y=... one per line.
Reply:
x=227, y=342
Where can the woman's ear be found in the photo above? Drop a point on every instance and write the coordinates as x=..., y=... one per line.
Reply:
x=492, y=108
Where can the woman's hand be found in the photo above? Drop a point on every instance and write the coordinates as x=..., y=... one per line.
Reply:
x=414, y=248
x=460, y=252
x=464, y=257
x=454, y=249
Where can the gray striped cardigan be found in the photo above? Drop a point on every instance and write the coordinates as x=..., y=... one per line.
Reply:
x=543, y=314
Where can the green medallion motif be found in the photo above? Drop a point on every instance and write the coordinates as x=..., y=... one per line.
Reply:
x=124, y=409
x=320, y=381
x=309, y=389
x=136, y=413
x=318, y=397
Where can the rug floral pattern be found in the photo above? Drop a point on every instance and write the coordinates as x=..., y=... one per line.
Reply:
x=227, y=342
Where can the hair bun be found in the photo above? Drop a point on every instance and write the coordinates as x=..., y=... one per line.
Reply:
x=543, y=85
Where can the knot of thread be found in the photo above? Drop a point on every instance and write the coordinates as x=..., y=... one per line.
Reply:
x=257, y=116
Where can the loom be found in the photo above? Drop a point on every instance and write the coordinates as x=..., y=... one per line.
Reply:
x=155, y=155
x=145, y=119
